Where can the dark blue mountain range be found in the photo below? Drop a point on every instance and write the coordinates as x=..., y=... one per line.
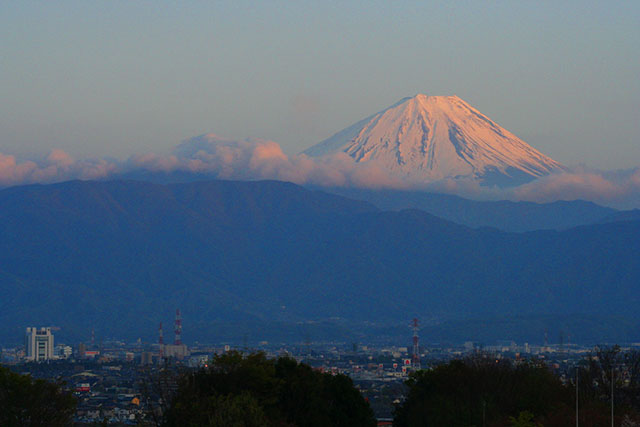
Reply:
x=504, y=215
x=274, y=261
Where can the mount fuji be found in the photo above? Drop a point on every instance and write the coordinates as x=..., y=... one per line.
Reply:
x=430, y=138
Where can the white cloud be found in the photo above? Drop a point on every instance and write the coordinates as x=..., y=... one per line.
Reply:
x=13, y=172
x=57, y=166
x=619, y=189
x=251, y=159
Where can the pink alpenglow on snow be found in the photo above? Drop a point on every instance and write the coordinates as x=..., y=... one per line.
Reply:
x=431, y=138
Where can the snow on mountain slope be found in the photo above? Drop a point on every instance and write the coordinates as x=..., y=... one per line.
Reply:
x=430, y=138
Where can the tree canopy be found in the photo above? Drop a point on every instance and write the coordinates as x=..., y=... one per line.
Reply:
x=485, y=391
x=602, y=367
x=252, y=390
x=25, y=401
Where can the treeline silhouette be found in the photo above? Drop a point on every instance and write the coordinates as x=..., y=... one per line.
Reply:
x=25, y=401
x=253, y=390
x=481, y=390
x=236, y=389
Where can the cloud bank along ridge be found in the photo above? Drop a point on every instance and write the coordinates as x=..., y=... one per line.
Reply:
x=251, y=159
x=57, y=166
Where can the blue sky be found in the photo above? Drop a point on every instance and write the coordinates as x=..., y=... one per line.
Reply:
x=116, y=78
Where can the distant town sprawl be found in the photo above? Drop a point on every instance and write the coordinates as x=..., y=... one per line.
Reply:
x=113, y=380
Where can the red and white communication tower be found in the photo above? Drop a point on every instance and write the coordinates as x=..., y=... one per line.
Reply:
x=178, y=328
x=415, y=357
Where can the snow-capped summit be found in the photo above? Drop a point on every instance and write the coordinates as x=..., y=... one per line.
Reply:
x=430, y=138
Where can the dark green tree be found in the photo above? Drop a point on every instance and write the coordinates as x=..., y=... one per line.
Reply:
x=602, y=367
x=483, y=391
x=524, y=419
x=253, y=390
x=28, y=402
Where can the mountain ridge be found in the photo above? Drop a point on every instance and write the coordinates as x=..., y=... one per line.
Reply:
x=503, y=214
x=117, y=256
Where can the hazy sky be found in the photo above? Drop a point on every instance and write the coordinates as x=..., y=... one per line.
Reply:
x=115, y=78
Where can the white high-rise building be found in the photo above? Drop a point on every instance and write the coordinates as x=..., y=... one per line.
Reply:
x=38, y=344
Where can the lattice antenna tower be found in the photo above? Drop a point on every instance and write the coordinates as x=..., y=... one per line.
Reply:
x=415, y=357
x=160, y=341
x=178, y=328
